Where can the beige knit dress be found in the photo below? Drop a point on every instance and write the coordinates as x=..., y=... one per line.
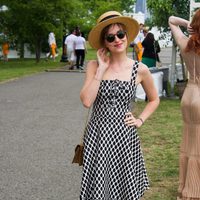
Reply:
x=189, y=174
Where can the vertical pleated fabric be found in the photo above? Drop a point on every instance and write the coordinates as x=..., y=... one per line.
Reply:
x=189, y=162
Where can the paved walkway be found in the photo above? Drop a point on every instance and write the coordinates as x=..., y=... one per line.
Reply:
x=41, y=121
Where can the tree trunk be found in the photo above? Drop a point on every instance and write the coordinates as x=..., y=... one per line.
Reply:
x=21, y=50
x=173, y=67
x=38, y=50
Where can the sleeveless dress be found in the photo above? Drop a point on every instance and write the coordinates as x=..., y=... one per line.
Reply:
x=113, y=167
x=189, y=175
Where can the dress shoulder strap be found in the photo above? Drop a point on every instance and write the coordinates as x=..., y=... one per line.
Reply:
x=134, y=72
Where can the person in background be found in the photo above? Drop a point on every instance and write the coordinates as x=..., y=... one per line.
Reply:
x=151, y=50
x=5, y=50
x=189, y=161
x=138, y=48
x=70, y=46
x=113, y=164
x=80, y=50
x=52, y=46
x=145, y=31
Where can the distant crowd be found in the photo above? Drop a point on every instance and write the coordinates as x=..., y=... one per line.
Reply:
x=74, y=48
x=146, y=48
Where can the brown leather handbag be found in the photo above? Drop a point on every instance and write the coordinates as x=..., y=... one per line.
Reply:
x=78, y=156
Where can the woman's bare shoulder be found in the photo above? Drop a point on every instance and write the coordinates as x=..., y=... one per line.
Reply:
x=92, y=62
x=143, y=69
x=143, y=73
x=92, y=65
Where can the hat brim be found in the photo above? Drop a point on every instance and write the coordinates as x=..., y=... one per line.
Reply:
x=131, y=25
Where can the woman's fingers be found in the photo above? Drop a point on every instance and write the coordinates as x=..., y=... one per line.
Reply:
x=101, y=54
x=190, y=29
x=102, y=57
x=130, y=120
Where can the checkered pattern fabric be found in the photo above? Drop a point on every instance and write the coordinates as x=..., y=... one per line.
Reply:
x=113, y=166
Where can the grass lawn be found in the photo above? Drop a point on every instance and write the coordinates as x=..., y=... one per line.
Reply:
x=160, y=137
x=16, y=68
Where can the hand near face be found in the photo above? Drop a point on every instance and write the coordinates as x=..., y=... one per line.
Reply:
x=103, y=58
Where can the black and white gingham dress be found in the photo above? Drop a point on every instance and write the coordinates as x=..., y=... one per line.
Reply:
x=113, y=162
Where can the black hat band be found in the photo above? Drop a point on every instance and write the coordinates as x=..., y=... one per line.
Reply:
x=108, y=17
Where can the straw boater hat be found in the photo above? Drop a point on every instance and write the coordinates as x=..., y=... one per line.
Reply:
x=110, y=17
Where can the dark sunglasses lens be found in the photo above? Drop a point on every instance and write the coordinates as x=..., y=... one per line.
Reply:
x=120, y=34
x=110, y=38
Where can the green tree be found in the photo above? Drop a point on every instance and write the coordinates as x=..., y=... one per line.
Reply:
x=30, y=21
x=161, y=10
x=95, y=8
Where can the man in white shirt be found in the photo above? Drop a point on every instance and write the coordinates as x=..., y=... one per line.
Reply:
x=70, y=46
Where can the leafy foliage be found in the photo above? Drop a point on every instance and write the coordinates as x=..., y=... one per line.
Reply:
x=161, y=10
x=96, y=8
x=30, y=21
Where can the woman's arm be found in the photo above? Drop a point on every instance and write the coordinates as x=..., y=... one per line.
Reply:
x=144, y=43
x=147, y=83
x=157, y=46
x=94, y=75
x=84, y=44
x=145, y=78
x=91, y=85
x=174, y=23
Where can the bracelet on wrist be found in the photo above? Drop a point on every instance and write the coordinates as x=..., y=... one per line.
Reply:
x=141, y=120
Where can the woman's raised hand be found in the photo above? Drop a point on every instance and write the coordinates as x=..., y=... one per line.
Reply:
x=190, y=29
x=103, y=58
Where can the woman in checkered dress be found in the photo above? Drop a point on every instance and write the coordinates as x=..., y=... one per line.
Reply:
x=113, y=166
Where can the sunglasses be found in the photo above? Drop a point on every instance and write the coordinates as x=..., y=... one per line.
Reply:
x=111, y=37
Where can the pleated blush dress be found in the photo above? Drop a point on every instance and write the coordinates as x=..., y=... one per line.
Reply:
x=113, y=166
x=189, y=175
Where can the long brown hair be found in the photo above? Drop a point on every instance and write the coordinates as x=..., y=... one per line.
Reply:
x=194, y=41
